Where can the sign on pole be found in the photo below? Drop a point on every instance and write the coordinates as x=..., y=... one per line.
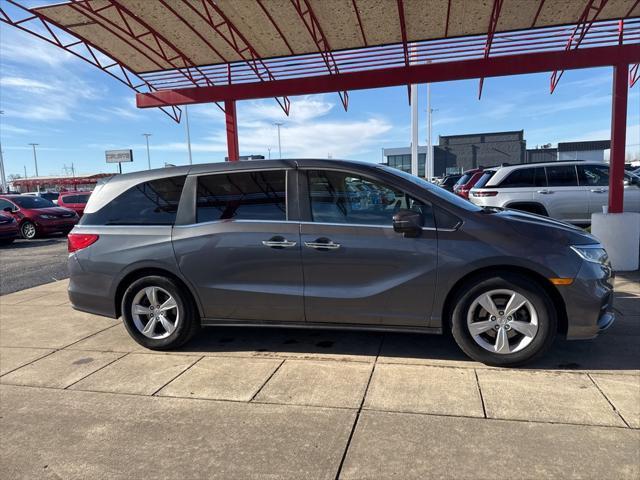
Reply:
x=119, y=156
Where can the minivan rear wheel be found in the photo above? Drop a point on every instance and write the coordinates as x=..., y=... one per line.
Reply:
x=158, y=314
x=503, y=319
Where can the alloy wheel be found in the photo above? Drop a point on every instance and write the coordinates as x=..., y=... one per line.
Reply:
x=155, y=312
x=28, y=230
x=502, y=321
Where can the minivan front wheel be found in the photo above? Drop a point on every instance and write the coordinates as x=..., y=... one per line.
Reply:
x=158, y=314
x=503, y=320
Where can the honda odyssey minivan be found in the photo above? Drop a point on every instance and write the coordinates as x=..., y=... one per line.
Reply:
x=331, y=244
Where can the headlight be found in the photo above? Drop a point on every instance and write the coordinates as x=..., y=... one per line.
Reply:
x=592, y=253
x=47, y=217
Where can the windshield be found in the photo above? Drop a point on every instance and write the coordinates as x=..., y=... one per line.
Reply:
x=434, y=190
x=484, y=178
x=32, y=202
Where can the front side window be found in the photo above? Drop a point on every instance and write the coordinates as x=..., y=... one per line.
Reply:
x=5, y=204
x=149, y=203
x=340, y=197
x=593, y=176
x=562, y=176
x=242, y=196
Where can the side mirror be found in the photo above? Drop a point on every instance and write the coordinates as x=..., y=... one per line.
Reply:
x=408, y=222
x=8, y=209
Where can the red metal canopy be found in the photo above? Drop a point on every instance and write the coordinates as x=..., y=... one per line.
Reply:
x=177, y=52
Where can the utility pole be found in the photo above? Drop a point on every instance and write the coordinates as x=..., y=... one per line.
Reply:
x=35, y=160
x=3, y=180
x=147, y=135
x=186, y=117
x=279, y=124
x=269, y=150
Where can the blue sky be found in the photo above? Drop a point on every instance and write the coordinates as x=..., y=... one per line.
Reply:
x=75, y=112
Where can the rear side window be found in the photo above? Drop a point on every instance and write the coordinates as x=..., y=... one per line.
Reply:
x=84, y=198
x=70, y=199
x=562, y=176
x=525, y=177
x=242, y=196
x=149, y=203
x=464, y=179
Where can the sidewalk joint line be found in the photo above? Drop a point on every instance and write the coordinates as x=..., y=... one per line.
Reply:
x=607, y=399
x=178, y=375
x=267, y=380
x=484, y=410
x=96, y=371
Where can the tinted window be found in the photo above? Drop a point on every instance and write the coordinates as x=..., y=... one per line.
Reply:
x=593, y=176
x=149, y=203
x=32, y=202
x=83, y=198
x=450, y=181
x=562, y=176
x=486, y=176
x=70, y=199
x=50, y=195
x=464, y=178
x=242, y=196
x=4, y=204
x=339, y=197
x=525, y=177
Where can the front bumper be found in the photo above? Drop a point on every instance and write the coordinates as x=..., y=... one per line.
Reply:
x=589, y=302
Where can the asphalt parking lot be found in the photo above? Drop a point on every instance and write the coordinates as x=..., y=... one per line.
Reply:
x=80, y=399
x=28, y=263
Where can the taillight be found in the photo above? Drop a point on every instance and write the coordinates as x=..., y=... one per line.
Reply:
x=78, y=241
x=484, y=194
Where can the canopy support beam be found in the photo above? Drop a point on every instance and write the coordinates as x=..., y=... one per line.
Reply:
x=618, y=137
x=231, y=120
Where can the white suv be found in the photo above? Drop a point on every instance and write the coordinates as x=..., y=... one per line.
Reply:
x=569, y=191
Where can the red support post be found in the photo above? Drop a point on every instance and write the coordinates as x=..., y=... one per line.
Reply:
x=618, y=137
x=232, y=130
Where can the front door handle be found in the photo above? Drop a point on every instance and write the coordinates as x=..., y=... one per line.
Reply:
x=545, y=192
x=598, y=190
x=322, y=244
x=278, y=242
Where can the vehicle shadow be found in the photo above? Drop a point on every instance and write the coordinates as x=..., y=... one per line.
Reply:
x=616, y=350
x=22, y=244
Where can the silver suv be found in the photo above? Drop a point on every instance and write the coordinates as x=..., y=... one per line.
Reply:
x=569, y=191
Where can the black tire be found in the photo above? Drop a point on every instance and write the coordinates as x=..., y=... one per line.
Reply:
x=523, y=285
x=186, y=327
x=28, y=230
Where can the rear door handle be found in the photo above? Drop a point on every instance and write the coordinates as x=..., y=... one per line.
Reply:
x=598, y=190
x=545, y=192
x=278, y=242
x=322, y=244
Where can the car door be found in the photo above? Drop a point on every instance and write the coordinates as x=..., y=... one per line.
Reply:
x=563, y=198
x=595, y=180
x=357, y=270
x=239, y=249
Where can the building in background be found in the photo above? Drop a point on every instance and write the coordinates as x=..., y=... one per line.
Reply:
x=457, y=153
x=593, y=151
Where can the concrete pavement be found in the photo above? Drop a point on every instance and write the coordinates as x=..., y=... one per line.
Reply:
x=80, y=399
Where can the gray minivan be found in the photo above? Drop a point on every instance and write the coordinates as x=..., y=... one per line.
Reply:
x=331, y=244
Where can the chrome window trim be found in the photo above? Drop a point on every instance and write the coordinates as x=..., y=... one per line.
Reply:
x=310, y=223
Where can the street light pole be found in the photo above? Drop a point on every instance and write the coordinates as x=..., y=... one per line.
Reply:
x=35, y=160
x=279, y=124
x=186, y=117
x=3, y=180
x=147, y=135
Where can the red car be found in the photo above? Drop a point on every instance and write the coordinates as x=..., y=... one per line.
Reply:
x=9, y=230
x=37, y=215
x=467, y=181
x=75, y=201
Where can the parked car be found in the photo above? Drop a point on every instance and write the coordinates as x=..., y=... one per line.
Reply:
x=569, y=191
x=37, y=215
x=75, y=201
x=279, y=243
x=51, y=196
x=467, y=181
x=449, y=182
x=9, y=230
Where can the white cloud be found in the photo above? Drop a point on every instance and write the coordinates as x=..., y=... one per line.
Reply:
x=26, y=84
x=19, y=47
